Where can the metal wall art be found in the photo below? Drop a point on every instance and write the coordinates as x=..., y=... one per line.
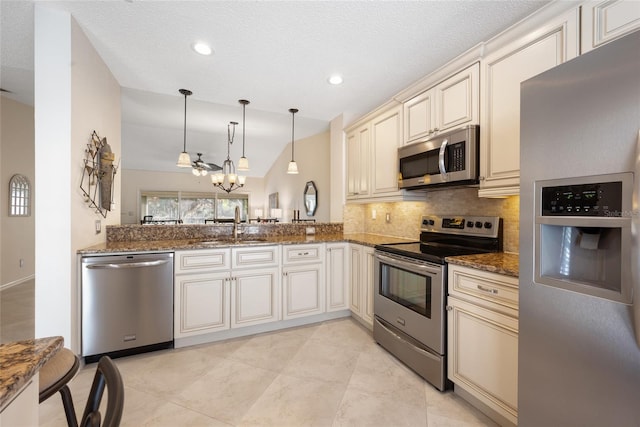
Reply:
x=97, y=174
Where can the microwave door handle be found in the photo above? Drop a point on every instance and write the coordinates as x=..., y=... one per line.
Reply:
x=443, y=170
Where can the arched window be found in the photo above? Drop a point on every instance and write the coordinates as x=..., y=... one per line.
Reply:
x=19, y=196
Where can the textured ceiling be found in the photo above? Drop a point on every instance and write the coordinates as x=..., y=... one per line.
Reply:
x=277, y=54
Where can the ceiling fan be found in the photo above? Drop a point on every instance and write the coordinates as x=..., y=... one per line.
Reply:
x=200, y=165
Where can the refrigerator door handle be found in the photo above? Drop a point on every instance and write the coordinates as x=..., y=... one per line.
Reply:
x=635, y=250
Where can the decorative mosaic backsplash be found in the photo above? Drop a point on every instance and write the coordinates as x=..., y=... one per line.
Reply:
x=405, y=216
x=128, y=233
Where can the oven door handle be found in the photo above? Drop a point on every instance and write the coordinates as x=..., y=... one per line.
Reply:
x=407, y=265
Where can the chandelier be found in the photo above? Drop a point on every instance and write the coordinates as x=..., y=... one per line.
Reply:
x=228, y=180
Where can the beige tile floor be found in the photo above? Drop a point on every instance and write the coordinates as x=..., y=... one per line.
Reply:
x=327, y=374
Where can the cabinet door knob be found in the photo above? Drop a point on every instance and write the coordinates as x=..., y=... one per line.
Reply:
x=449, y=308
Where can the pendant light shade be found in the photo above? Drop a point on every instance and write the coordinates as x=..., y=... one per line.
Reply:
x=293, y=166
x=184, y=160
x=243, y=162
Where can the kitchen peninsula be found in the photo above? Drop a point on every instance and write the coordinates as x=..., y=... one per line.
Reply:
x=20, y=362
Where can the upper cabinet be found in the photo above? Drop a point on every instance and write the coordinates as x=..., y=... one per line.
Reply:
x=604, y=21
x=372, y=158
x=358, y=162
x=503, y=69
x=453, y=102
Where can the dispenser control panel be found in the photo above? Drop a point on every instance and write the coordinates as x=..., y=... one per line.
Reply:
x=596, y=199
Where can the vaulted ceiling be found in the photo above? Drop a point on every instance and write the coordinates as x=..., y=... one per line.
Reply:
x=277, y=54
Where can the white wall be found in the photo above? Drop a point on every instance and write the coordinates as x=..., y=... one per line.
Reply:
x=75, y=93
x=17, y=148
x=313, y=157
x=134, y=181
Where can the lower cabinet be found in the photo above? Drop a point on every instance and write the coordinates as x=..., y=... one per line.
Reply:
x=303, y=286
x=361, y=282
x=255, y=296
x=337, y=276
x=483, y=340
x=214, y=296
x=201, y=303
x=303, y=289
x=23, y=410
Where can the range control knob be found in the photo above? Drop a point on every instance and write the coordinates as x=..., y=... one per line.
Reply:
x=478, y=224
x=469, y=224
x=488, y=225
x=431, y=222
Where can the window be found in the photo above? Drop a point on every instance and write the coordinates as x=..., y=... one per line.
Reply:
x=190, y=207
x=19, y=196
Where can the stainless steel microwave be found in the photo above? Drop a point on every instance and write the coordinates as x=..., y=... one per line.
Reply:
x=448, y=159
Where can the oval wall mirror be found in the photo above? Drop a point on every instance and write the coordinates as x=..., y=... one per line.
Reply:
x=310, y=198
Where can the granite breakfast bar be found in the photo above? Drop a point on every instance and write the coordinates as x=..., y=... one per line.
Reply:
x=20, y=362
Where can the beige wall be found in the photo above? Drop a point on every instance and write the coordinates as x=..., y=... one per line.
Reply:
x=135, y=181
x=312, y=156
x=17, y=151
x=75, y=94
x=405, y=216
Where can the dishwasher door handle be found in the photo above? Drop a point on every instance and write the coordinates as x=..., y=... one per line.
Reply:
x=128, y=264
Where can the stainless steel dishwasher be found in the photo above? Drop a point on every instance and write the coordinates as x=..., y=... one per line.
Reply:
x=127, y=304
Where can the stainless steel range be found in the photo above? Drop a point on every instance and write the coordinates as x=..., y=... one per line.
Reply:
x=411, y=288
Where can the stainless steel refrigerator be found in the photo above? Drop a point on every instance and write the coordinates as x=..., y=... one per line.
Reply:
x=579, y=339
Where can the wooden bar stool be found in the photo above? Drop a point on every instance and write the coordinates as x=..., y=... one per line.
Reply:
x=54, y=376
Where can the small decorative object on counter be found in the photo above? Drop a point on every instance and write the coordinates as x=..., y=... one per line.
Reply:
x=97, y=175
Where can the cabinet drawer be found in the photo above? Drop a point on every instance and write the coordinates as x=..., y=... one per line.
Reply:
x=203, y=260
x=484, y=286
x=254, y=256
x=302, y=253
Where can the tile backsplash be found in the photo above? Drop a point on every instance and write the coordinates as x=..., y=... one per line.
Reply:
x=404, y=217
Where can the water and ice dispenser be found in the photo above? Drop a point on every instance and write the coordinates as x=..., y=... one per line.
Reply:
x=583, y=235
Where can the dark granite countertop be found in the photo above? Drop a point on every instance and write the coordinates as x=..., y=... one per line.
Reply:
x=21, y=360
x=189, y=244
x=500, y=262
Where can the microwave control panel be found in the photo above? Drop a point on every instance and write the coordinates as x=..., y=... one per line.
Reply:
x=596, y=200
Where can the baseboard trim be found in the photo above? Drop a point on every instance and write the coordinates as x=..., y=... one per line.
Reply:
x=257, y=329
x=16, y=282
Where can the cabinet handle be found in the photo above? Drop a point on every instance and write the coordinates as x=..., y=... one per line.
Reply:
x=303, y=253
x=481, y=178
x=436, y=129
x=491, y=291
x=449, y=308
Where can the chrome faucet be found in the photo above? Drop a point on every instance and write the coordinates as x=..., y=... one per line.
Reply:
x=236, y=221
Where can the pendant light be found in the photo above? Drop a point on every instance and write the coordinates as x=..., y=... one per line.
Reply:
x=184, y=161
x=228, y=180
x=243, y=162
x=293, y=166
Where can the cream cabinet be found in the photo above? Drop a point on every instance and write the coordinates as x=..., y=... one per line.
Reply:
x=361, y=283
x=372, y=158
x=255, y=296
x=201, y=298
x=218, y=289
x=386, y=137
x=337, y=276
x=358, y=158
x=482, y=340
x=303, y=285
x=452, y=103
x=201, y=303
x=23, y=410
x=604, y=21
x=503, y=70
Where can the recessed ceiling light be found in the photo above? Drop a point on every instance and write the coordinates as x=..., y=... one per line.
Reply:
x=335, y=79
x=202, y=48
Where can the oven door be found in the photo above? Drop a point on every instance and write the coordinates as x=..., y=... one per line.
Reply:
x=409, y=295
